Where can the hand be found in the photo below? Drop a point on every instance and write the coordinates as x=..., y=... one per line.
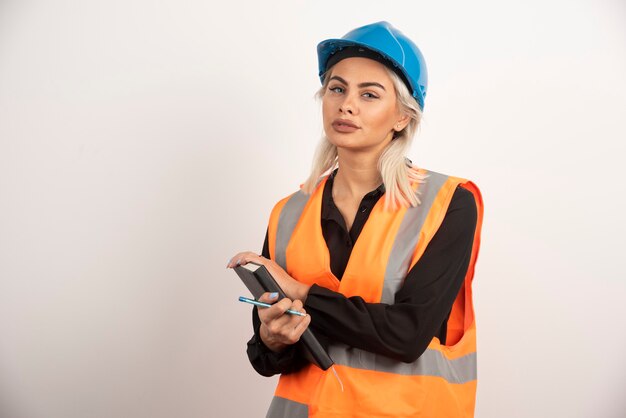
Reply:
x=293, y=288
x=280, y=329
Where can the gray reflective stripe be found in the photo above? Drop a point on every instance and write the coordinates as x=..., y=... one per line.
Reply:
x=408, y=236
x=430, y=363
x=287, y=221
x=285, y=408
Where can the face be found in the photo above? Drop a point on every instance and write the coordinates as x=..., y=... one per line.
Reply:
x=359, y=106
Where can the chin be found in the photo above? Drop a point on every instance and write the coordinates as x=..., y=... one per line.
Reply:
x=342, y=141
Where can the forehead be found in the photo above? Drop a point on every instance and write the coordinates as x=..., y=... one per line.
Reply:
x=359, y=69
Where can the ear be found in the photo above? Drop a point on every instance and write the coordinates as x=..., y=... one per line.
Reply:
x=401, y=123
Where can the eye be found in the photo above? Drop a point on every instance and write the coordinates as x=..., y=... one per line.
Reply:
x=370, y=95
x=336, y=89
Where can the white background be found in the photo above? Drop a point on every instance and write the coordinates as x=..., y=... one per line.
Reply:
x=143, y=143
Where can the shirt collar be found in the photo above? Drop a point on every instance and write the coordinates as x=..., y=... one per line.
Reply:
x=330, y=211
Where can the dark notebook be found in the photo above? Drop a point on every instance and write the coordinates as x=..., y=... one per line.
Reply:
x=258, y=280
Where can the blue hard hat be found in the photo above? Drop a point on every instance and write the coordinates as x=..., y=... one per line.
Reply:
x=391, y=44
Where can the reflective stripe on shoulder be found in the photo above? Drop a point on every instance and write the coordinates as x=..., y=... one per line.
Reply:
x=430, y=363
x=285, y=408
x=287, y=222
x=408, y=236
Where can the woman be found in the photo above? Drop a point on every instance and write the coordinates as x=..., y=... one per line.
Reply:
x=380, y=254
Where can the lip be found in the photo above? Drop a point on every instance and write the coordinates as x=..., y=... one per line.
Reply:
x=344, y=125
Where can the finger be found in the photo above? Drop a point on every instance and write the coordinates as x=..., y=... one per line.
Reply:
x=298, y=330
x=277, y=310
x=281, y=328
x=245, y=257
x=266, y=315
x=281, y=316
x=268, y=297
x=297, y=306
x=234, y=259
x=294, y=320
x=249, y=256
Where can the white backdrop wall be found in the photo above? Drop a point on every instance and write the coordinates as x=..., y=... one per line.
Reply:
x=143, y=143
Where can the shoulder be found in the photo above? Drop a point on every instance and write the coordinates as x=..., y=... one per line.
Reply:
x=463, y=204
x=463, y=198
x=278, y=206
x=294, y=202
x=462, y=212
x=300, y=195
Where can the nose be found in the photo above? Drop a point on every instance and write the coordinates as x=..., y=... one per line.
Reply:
x=348, y=105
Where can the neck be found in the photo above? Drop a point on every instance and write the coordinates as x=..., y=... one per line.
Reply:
x=357, y=175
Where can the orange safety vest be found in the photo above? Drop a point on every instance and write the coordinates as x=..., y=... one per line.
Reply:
x=442, y=381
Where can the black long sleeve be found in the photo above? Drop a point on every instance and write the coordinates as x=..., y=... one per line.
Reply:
x=404, y=329
x=421, y=308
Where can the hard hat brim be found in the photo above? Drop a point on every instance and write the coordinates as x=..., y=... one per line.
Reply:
x=328, y=47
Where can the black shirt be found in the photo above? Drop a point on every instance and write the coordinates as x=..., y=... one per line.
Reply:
x=421, y=307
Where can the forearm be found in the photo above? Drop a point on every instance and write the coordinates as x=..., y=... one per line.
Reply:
x=401, y=331
x=404, y=329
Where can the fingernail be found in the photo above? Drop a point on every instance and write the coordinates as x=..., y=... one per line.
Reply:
x=239, y=261
x=273, y=295
x=229, y=261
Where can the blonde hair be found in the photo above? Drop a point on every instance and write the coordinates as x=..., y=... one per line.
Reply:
x=397, y=172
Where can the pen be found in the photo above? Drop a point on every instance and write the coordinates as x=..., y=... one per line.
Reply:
x=267, y=305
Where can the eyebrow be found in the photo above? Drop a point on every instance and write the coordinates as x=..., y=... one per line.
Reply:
x=361, y=85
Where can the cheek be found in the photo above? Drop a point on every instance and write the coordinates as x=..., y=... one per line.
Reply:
x=381, y=119
x=325, y=106
x=327, y=109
